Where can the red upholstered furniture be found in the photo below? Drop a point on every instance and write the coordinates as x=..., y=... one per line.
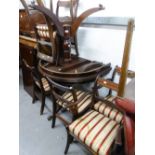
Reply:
x=128, y=123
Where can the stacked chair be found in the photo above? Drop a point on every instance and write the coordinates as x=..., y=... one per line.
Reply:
x=68, y=20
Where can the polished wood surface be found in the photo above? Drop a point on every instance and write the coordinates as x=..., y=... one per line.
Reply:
x=126, y=56
x=79, y=70
x=27, y=41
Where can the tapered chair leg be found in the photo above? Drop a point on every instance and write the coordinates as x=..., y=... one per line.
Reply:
x=76, y=45
x=69, y=141
x=54, y=115
x=42, y=104
x=33, y=96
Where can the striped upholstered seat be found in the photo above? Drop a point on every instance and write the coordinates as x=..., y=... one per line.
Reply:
x=83, y=97
x=108, y=111
x=95, y=130
x=45, y=83
x=43, y=32
x=110, y=98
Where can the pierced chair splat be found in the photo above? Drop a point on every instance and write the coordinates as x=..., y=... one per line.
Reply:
x=97, y=132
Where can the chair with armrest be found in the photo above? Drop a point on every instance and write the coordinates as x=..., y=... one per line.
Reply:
x=111, y=85
x=100, y=128
x=41, y=87
x=77, y=102
x=97, y=132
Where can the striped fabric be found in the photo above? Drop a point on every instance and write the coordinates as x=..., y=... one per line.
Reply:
x=108, y=111
x=97, y=131
x=42, y=30
x=110, y=98
x=45, y=83
x=84, y=103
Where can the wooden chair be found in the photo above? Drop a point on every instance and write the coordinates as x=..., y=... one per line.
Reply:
x=75, y=101
x=100, y=128
x=97, y=132
x=41, y=87
x=45, y=43
x=68, y=20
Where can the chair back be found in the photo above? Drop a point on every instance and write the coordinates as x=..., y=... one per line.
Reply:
x=45, y=49
x=63, y=94
x=110, y=83
x=72, y=5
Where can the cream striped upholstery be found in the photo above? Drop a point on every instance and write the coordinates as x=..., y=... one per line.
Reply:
x=42, y=30
x=97, y=131
x=108, y=111
x=84, y=103
x=110, y=98
x=45, y=83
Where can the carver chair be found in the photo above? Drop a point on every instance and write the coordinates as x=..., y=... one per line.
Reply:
x=41, y=87
x=75, y=101
x=109, y=84
x=97, y=132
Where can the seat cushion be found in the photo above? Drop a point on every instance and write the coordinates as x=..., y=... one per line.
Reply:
x=110, y=98
x=45, y=83
x=97, y=131
x=85, y=98
x=108, y=111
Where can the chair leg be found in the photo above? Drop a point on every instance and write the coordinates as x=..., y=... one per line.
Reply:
x=54, y=115
x=33, y=96
x=42, y=104
x=69, y=141
x=76, y=45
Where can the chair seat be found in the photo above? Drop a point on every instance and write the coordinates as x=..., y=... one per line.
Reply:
x=95, y=130
x=110, y=98
x=45, y=83
x=108, y=111
x=85, y=97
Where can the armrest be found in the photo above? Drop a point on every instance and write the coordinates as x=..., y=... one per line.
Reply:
x=59, y=86
x=129, y=133
x=27, y=65
x=126, y=104
x=108, y=84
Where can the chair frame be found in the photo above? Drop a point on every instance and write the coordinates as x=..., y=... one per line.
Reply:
x=71, y=137
x=109, y=83
x=56, y=88
x=36, y=76
x=73, y=5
